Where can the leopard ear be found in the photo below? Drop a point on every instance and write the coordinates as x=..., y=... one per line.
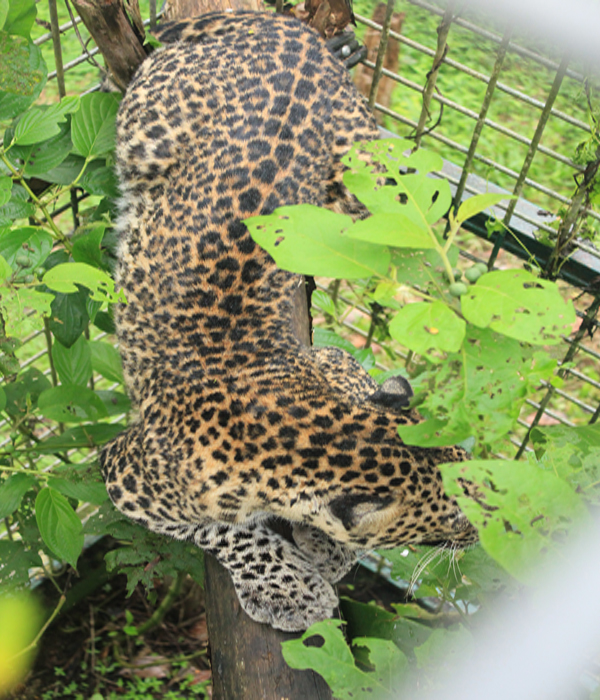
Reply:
x=394, y=393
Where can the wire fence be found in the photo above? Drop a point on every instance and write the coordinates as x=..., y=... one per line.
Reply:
x=539, y=211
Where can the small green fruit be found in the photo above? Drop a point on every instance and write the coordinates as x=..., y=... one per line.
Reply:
x=482, y=267
x=458, y=289
x=28, y=279
x=22, y=259
x=472, y=274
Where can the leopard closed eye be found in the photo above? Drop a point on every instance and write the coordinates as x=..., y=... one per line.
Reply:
x=237, y=421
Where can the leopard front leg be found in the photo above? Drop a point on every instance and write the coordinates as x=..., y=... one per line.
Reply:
x=332, y=559
x=275, y=582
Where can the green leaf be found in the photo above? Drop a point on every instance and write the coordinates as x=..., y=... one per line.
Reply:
x=422, y=268
x=423, y=327
x=3, y=12
x=334, y=661
x=23, y=309
x=86, y=436
x=59, y=525
x=16, y=559
x=311, y=241
x=74, y=364
x=85, y=491
x=20, y=17
x=519, y=305
x=391, y=229
x=64, y=278
x=71, y=404
x=100, y=181
x=6, y=184
x=12, y=491
x=6, y=270
x=524, y=515
x=41, y=124
x=106, y=361
x=17, y=207
x=41, y=159
x=478, y=203
x=23, y=74
x=87, y=248
x=25, y=391
x=419, y=197
x=93, y=126
x=30, y=241
x=445, y=649
x=67, y=171
x=434, y=432
x=115, y=402
x=69, y=317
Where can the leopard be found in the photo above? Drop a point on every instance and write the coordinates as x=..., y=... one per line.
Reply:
x=237, y=424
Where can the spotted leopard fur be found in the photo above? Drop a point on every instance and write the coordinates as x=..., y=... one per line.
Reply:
x=236, y=420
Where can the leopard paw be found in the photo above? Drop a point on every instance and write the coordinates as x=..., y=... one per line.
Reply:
x=331, y=559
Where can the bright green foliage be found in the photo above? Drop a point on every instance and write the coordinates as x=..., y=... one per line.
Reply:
x=423, y=327
x=519, y=305
x=312, y=241
x=12, y=491
x=334, y=661
x=64, y=278
x=524, y=515
x=59, y=525
x=93, y=127
x=74, y=364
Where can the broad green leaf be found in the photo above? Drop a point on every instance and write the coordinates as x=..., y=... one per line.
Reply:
x=23, y=74
x=312, y=241
x=12, y=491
x=30, y=242
x=74, y=364
x=372, y=621
x=41, y=124
x=16, y=559
x=24, y=392
x=67, y=171
x=93, y=126
x=524, y=515
x=434, y=432
x=71, y=404
x=69, y=317
x=86, y=491
x=20, y=17
x=115, y=402
x=87, y=248
x=106, y=361
x=3, y=12
x=478, y=203
x=59, y=525
x=423, y=327
x=323, y=301
x=6, y=184
x=391, y=229
x=419, y=197
x=422, y=268
x=100, y=181
x=6, y=270
x=18, y=207
x=334, y=661
x=24, y=309
x=445, y=649
x=519, y=305
x=325, y=338
x=41, y=159
x=86, y=436
x=64, y=278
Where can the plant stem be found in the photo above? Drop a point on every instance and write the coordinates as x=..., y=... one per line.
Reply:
x=49, y=621
x=158, y=615
x=57, y=232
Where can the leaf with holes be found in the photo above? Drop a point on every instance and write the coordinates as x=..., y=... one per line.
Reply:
x=419, y=197
x=59, y=525
x=519, y=305
x=423, y=327
x=71, y=404
x=74, y=364
x=93, y=126
x=23, y=309
x=525, y=516
x=313, y=241
x=334, y=661
x=65, y=277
